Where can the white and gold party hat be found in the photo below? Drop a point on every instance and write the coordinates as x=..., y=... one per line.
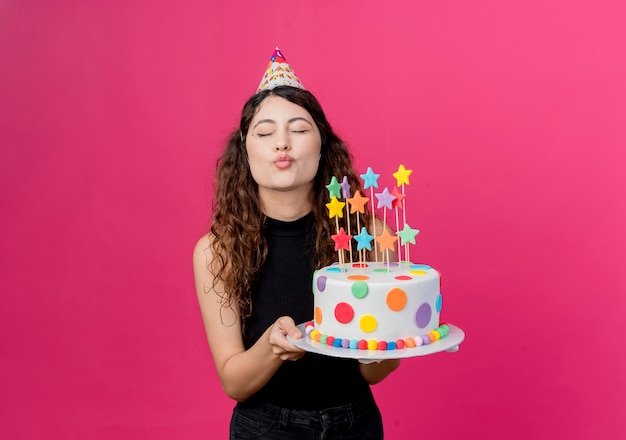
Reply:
x=279, y=73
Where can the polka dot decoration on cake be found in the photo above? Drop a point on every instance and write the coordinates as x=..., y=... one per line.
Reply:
x=396, y=299
x=359, y=289
x=438, y=303
x=344, y=313
x=419, y=272
x=419, y=266
x=358, y=277
x=423, y=315
x=372, y=344
x=318, y=315
x=321, y=283
x=368, y=323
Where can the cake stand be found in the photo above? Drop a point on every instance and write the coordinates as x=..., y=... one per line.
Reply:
x=450, y=344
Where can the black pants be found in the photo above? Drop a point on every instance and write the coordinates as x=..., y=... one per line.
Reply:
x=356, y=421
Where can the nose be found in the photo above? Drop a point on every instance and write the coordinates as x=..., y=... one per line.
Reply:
x=282, y=144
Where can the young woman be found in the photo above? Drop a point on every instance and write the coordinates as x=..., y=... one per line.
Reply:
x=254, y=271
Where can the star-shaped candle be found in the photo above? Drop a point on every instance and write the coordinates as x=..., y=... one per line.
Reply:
x=342, y=240
x=370, y=179
x=407, y=234
x=334, y=188
x=335, y=208
x=399, y=197
x=357, y=203
x=385, y=199
x=386, y=240
x=364, y=240
x=345, y=187
x=402, y=175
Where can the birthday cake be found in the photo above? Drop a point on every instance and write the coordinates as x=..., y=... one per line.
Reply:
x=375, y=305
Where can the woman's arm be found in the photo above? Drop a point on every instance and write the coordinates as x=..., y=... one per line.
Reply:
x=377, y=371
x=241, y=372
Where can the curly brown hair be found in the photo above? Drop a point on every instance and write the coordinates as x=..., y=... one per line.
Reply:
x=239, y=246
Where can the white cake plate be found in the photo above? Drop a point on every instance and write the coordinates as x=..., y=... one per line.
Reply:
x=450, y=343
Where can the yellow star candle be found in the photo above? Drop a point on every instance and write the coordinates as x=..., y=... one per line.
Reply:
x=402, y=175
x=335, y=208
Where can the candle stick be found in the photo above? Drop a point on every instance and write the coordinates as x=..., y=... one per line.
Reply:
x=345, y=193
x=335, y=209
x=385, y=200
x=402, y=178
x=357, y=205
x=398, y=204
x=370, y=180
x=342, y=241
x=364, y=241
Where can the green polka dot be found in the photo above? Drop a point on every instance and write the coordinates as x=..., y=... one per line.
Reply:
x=313, y=281
x=359, y=289
x=381, y=270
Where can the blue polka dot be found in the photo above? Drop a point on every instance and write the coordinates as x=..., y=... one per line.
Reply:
x=420, y=266
x=438, y=303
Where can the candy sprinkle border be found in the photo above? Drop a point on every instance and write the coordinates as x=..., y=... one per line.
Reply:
x=372, y=344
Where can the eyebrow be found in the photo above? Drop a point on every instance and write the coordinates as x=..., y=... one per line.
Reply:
x=271, y=121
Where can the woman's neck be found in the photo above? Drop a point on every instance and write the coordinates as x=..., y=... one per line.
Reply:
x=285, y=206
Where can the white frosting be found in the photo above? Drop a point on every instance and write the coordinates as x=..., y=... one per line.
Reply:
x=417, y=301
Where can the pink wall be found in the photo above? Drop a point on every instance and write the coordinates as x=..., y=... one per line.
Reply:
x=511, y=115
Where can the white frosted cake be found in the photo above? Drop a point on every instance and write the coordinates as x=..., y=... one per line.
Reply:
x=377, y=307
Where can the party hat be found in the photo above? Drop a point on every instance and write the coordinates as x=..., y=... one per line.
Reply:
x=279, y=73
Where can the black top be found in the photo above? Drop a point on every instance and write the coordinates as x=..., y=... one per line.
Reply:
x=284, y=288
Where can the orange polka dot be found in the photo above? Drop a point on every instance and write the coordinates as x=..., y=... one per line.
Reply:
x=358, y=277
x=318, y=315
x=396, y=299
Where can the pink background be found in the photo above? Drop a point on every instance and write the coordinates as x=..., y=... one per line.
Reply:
x=511, y=115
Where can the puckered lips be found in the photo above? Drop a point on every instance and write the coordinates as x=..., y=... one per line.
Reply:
x=283, y=161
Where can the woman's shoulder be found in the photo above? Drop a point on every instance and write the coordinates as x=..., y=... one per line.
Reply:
x=202, y=249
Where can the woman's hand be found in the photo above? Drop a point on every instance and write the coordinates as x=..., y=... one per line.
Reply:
x=278, y=339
